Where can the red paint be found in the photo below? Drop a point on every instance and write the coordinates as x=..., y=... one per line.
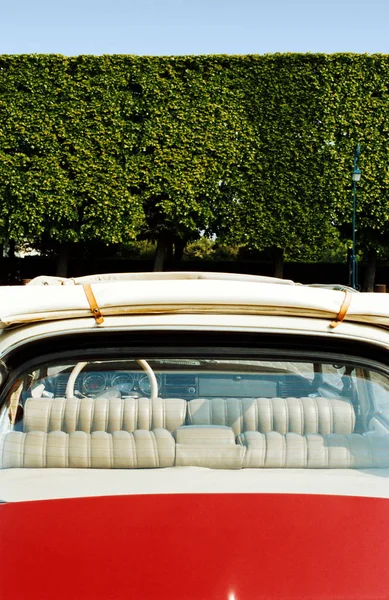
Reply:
x=202, y=546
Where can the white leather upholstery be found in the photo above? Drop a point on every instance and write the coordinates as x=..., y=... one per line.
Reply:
x=114, y=432
x=314, y=451
x=103, y=414
x=99, y=450
x=205, y=435
x=208, y=446
x=297, y=415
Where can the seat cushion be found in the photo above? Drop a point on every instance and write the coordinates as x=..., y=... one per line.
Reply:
x=314, y=451
x=208, y=446
x=141, y=449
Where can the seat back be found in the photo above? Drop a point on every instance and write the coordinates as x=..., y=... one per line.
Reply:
x=103, y=414
x=283, y=415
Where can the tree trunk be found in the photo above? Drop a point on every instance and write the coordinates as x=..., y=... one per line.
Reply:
x=79, y=251
x=369, y=280
x=11, y=249
x=63, y=260
x=160, y=254
x=169, y=254
x=179, y=248
x=13, y=273
x=278, y=262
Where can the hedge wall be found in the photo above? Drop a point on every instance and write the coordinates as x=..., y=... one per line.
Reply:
x=257, y=149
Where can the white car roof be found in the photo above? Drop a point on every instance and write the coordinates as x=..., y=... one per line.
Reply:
x=52, y=299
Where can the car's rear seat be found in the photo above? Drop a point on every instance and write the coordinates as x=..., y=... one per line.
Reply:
x=104, y=413
x=296, y=415
x=114, y=432
x=140, y=449
x=103, y=432
x=314, y=451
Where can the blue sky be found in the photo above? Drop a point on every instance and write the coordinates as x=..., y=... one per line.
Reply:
x=171, y=27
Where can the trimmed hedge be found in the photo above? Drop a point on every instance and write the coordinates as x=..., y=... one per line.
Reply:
x=257, y=149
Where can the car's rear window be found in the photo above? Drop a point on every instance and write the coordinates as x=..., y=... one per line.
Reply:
x=215, y=413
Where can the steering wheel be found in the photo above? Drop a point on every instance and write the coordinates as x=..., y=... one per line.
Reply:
x=151, y=376
x=142, y=363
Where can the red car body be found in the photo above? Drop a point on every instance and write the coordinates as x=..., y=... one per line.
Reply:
x=211, y=546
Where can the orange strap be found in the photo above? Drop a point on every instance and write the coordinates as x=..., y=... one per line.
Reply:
x=93, y=304
x=343, y=309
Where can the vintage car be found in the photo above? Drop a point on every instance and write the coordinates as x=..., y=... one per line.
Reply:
x=193, y=436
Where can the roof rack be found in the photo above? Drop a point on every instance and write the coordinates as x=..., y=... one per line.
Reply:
x=44, y=299
x=160, y=275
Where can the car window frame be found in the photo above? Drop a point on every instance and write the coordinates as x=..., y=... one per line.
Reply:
x=256, y=347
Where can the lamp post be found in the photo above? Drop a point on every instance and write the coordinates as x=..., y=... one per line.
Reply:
x=356, y=176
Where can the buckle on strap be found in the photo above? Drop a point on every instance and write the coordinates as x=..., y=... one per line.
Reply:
x=96, y=312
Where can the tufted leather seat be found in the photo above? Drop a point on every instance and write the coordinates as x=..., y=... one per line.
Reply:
x=113, y=432
x=103, y=413
x=99, y=450
x=202, y=447
x=314, y=451
x=283, y=415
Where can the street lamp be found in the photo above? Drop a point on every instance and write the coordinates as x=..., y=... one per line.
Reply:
x=356, y=176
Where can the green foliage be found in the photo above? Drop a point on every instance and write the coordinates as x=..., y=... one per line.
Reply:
x=206, y=249
x=63, y=169
x=255, y=149
x=189, y=111
x=336, y=251
x=357, y=111
x=278, y=196
x=142, y=249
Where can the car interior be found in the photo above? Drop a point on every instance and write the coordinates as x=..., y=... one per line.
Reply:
x=179, y=411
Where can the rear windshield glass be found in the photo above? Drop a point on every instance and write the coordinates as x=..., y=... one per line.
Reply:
x=214, y=413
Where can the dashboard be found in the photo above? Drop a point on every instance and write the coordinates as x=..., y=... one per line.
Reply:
x=128, y=383
x=180, y=384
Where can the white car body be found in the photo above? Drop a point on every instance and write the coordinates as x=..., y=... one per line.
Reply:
x=286, y=331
